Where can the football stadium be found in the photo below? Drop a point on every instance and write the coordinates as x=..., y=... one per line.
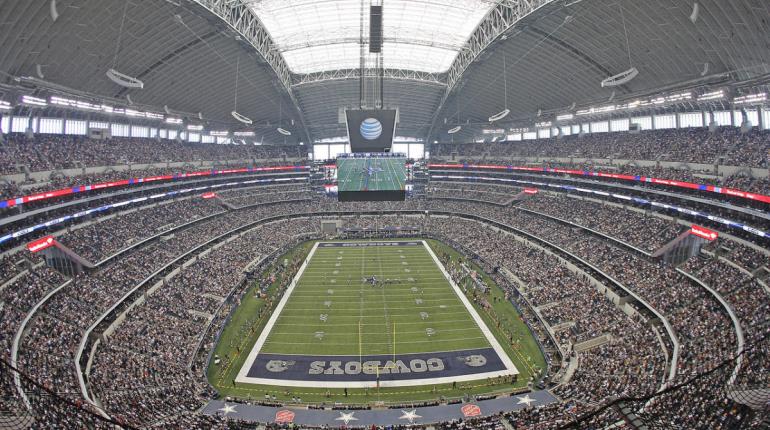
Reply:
x=385, y=214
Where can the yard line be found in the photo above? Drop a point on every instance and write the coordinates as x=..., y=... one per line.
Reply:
x=420, y=323
x=394, y=302
x=405, y=286
x=361, y=313
x=301, y=333
x=385, y=309
x=349, y=261
x=347, y=177
x=422, y=308
x=413, y=314
x=405, y=290
x=395, y=176
x=416, y=284
x=431, y=341
x=396, y=274
x=353, y=299
x=393, y=275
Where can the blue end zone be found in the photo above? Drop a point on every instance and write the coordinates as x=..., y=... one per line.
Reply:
x=365, y=244
x=345, y=368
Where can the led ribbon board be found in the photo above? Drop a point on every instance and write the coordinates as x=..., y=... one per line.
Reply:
x=134, y=181
x=670, y=182
x=56, y=221
x=637, y=200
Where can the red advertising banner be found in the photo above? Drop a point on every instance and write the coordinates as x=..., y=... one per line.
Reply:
x=41, y=244
x=470, y=410
x=703, y=232
x=86, y=188
x=284, y=416
x=669, y=182
x=209, y=195
x=530, y=191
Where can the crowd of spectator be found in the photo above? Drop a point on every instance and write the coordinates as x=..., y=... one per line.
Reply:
x=748, y=297
x=54, y=335
x=46, y=152
x=483, y=192
x=745, y=256
x=644, y=231
x=727, y=146
x=140, y=372
x=105, y=237
x=631, y=362
x=153, y=346
x=738, y=181
x=260, y=195
x=740, y=210
x=17, y=299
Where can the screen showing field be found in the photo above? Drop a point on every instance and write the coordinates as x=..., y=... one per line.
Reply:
x=371, y=174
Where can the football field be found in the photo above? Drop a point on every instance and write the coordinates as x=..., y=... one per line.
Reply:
x=359, y=312
x=371, y=174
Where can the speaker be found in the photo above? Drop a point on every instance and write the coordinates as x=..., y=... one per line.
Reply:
x=375, y=29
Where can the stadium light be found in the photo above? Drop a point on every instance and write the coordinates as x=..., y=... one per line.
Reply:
x=76, y=104
x=620, y=78
x=596, y=110
x=124, y=80
x=283, y=131
x=678, y=97
x=241, y=118
x=33, y=101
x=194, y=127
x=714, y=95
x=750, y=99
x=4, y=105
x=565, y=117
x=454, y=129
x=170, y=120
x=500, y=115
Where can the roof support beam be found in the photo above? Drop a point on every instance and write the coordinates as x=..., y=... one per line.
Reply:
x=501, y=18
x=244, y=21
x=392, y=74
x=356, y=40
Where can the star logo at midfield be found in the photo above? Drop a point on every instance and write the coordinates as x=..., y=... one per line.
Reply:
x=526, y=400
x=411, y=415
x=227, y=409
x=346, y=417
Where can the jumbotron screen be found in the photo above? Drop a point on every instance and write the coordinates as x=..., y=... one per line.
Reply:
x=370, y=176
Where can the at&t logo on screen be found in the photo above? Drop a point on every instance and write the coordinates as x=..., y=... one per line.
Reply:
x=371, y=129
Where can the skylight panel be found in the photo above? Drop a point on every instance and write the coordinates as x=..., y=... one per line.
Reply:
x=322, y=35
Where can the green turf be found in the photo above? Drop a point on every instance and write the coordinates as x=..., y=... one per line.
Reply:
x=246, y=323
x=503, y=319
x=371, y=174
x=361, y=318
x=240, y=334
